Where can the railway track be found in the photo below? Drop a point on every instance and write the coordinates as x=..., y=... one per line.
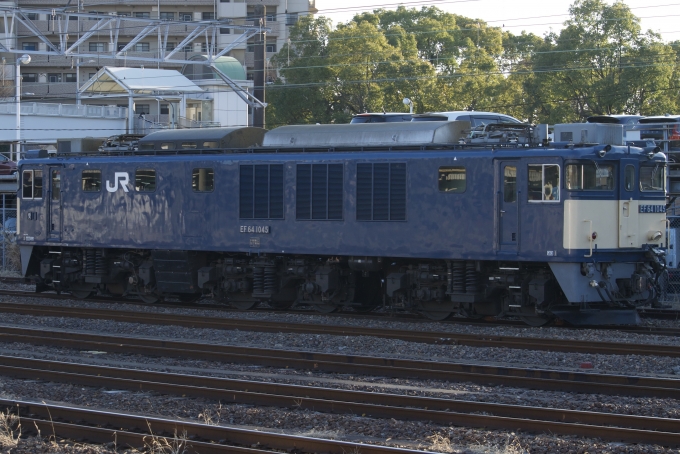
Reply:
x=543, y=379
x=433, y=337
x=124, y=430
x=614, y=427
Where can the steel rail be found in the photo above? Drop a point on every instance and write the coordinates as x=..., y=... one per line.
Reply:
x=471, y=340
x=349, y=364
x=402, y=317
x=378, y=405
x=139, y=431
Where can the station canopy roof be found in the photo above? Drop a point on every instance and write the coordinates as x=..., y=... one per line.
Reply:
x=138, y=81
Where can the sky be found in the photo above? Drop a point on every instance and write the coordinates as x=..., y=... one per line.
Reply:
x=535, y=16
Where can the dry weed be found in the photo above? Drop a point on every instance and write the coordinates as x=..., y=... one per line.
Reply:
x=155, y=444
x=10, y=429
x=439, y=443
x=12, y=254
x=209, y=418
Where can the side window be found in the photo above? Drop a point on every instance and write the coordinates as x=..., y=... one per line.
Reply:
x=188, y=145
x=590, y=177
x=452, y=179
x=56, y=184
x=37, y=184
x=629, y=184
x=210, y=144
x=92, y=180
x=146, y=146
x=167, y=146
x=27, y=184
x=544, y=183
x=203, y=180
x=145, y=180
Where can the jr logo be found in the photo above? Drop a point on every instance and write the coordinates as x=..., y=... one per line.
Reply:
x=124, y=179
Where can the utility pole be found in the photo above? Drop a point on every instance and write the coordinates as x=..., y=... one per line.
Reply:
x=260, y=55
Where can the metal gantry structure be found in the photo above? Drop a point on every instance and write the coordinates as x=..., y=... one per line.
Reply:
x=112, y=24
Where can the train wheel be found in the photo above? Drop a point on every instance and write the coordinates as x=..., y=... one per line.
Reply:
x=327, y=308
x=436, y=315
x=82, y=291
x=244, y=305
x=149, y=298
x=536, y=320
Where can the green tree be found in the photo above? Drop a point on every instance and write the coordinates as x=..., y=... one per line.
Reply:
x=600, y=63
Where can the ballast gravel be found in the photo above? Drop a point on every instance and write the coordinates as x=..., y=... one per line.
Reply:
x=407, y=434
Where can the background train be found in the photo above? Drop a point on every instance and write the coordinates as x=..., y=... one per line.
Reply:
x=407, y=216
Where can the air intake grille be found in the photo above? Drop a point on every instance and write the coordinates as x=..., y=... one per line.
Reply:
x=319, y=191
x=381, y=192
x=261, y=191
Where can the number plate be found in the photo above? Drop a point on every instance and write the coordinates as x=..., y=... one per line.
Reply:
x=651, y=208
x=255, y=229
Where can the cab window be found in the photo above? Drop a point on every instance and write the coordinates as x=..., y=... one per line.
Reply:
x=590, y=177
x=145, y=180
x=31, y=183
x=92, y=180
x=653, y=178
x=544, y=183
x=629, y=184
x=452, y=179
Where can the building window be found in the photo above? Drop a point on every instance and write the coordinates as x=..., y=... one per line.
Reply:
x=225, y=31
x=452, y=179
x=92, y=180
x=31, y=183
x=188, y=48
x=186, y=17
x=142, y=47
x=381, y=192
x=70, y=77
x=142, y=109
x=123, y=14
x=167, y=15
x=250, y=47
x=544, y=183
x=271, y=47
x=169, y=46
x=165, y=110
x=208, y=16
x=291, y=18
x=145, y=180
x=319, y=192
x=203, y=180
x=121, y=46
x=225, y=1
x=91, y=75
x=204, y=48
x=32, y=16
x=271, y=14
x=141, y=15
x=29, y=77
x=261, y=191
x=54, y=77
x=97, y=47
x=29, y=46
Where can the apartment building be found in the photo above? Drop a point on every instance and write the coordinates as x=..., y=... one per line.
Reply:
x=54, y=79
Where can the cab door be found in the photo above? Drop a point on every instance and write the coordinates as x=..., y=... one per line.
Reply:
x=508, y=206
x=32, y=203
x=628, y=204
x=54, y=203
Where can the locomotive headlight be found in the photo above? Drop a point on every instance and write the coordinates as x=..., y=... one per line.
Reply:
x=654, y=235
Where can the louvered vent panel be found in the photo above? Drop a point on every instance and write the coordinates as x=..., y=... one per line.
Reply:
x=319, y=188
x=335, y=180
x=276, y=191
x=397, y=192
x=364, y=192
x=303, y=190
x=261, y=210
x=381, y=192
x=246, y=192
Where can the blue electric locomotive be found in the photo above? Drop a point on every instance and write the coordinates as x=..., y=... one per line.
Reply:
x=398, y=215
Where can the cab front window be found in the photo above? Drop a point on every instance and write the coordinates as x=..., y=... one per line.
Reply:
x=653, y=178
x=544, y=183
